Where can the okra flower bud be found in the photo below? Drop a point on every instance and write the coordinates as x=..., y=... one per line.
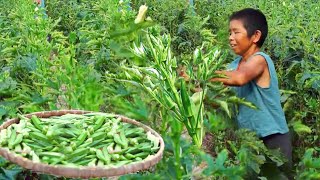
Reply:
x=142, y=14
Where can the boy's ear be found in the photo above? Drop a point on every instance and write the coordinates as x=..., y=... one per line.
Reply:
x=257, y=36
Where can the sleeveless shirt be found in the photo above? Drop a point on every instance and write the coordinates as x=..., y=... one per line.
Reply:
x=269, y=118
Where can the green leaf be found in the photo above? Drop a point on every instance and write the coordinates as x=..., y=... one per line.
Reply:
x=301, y=128
x=186, y=100
x=10, y=174
x=3, y=161
x=210, y=164
x=2, y=112
x=242, y=155
x=7, y=85
x=72, y=37
x=46, y=177
x=255, y=166
x=132, y=28
x=237, y=100
x=221, y=159
x=120, y=50
x=224, y=106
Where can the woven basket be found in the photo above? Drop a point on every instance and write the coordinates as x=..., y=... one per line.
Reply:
x=84, y=171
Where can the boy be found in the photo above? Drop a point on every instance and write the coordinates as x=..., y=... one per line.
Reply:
x=254, y=78
x=40, y=3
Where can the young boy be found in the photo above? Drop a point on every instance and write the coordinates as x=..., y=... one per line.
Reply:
x=254, y=78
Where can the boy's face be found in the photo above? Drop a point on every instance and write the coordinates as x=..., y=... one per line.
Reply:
x=238, y=37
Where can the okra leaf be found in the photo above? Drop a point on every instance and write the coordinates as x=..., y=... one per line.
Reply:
x=46, y=177
x=2, y=113
x=185, y=99
x=3, y=161
x=301, y=128
x=10, y=174
x=221, y=159
x=224, y=105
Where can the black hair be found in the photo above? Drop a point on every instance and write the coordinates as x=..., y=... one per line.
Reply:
x=253, y=20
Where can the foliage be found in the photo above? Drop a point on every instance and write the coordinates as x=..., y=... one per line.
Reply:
x=310, y=165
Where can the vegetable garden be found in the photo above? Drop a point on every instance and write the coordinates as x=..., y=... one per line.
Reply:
x=102, y=56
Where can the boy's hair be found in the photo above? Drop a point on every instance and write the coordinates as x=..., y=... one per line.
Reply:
x=252, y=20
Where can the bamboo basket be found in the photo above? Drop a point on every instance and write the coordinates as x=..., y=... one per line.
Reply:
x=82, y=171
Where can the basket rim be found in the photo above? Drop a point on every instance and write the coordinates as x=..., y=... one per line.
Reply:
x=84, y=171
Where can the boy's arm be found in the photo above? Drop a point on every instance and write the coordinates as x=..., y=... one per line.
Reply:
x=248, y=71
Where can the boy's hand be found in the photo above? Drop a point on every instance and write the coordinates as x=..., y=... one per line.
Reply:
x=182, y=73
x=216, y=79
x=214, y=105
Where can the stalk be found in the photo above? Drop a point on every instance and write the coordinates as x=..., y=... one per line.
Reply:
x=177, y=156
x=178, y=102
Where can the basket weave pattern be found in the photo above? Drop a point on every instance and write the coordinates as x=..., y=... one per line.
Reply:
x=84, y=171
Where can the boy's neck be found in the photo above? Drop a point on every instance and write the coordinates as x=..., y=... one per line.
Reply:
x=250, y=52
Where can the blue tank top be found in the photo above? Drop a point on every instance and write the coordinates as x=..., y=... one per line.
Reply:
x=269, y=117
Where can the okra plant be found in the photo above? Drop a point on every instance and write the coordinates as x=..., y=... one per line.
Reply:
x=174, y=93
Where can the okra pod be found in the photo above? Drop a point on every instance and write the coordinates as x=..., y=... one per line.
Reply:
x=84, y=162
x=129, y=156
x=17, y=148
x=133, y=141
x=142, y=155
x=52, y=154
x=117, y=148
x=79, y=152
x=185, y=99
x=92, y=162
x=110, y=148
x=12, y=138
x=81, y=138
x=134, y=132
x=95, y=143
x=106, y=153
x=118, y=140
x=35, y=157
x=98, y=136
x=3, y=137
x=101, y=156
x=99, y=122
x=38, y=136
x=121, y=163
x=104, y=129
x=18, y=140
x=115, y=157
x=36, y=122
x=100, y=163
x=77, y=159
x=86, y=143
x=123, y=138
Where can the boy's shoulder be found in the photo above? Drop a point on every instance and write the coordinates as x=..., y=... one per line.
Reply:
x=263, y=54
x=234, y=64
x=260, y=58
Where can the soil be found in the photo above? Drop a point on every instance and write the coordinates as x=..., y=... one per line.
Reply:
x=207, y=144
